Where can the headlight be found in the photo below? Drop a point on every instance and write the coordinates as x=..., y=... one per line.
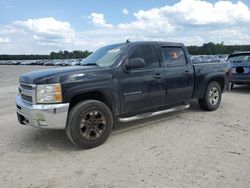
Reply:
x=49, y=93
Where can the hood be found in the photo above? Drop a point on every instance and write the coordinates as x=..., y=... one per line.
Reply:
x=65, y=75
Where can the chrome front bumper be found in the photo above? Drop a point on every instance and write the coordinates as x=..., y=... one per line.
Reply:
x=49, y=116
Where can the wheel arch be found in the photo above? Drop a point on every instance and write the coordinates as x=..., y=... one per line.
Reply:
x=104, y=96
x=219, y=79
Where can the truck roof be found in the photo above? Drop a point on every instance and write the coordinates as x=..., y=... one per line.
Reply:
x=240, y=53
x=160, y=43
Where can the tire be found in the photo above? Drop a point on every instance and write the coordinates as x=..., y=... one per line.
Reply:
x=89, y=124
x=212, y=98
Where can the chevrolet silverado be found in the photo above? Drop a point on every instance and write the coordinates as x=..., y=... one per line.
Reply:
x=120, y=82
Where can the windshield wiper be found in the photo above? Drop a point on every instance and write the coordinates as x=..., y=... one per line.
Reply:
x=90, y=64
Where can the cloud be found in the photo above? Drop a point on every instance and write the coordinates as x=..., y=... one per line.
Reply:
x=47, y=30
x=195, y=13
x=99, y=21
x=125, y=11
x=192, y=22
x=150, y=21
x=40, y=35
x=198, y=12
x=4, y=40
x=189, y=21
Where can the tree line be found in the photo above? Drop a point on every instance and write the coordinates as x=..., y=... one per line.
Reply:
x=213, y=49
x=206, y=49
x=53, y=55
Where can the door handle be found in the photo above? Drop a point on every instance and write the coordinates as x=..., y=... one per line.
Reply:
x=157, y=76
x=186, y=73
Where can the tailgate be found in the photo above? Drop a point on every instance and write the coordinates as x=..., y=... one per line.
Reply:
x=241, y=72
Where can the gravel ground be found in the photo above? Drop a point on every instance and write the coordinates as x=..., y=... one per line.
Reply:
x=191, y=148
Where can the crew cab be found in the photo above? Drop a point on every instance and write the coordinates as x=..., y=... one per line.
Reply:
x=240, y=63
x=120, y=82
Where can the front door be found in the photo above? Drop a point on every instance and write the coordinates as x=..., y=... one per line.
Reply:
x=142, y=89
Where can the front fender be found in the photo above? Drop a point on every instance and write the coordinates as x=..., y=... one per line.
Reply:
x=108, y=89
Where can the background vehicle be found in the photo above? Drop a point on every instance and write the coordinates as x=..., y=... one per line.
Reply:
x=121, y=82
x=48, y=63
x=240, y=63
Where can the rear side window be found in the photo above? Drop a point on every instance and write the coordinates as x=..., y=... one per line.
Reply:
x=239, y=58
x=148, y=53
x=174, y=57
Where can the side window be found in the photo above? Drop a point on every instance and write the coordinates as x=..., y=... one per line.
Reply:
x=174, y=57
x=148, y=53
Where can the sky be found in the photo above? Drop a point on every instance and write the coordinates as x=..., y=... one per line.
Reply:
x=39, y=27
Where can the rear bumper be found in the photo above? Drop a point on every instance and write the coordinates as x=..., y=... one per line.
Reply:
x=50, y=116
x=240, y=82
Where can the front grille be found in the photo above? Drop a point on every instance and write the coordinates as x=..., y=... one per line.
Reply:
x=26, y=98
x=25, y=86
x=27, y=92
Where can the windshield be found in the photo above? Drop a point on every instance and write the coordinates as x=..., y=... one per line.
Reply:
x=239, y=59
x=104, y=57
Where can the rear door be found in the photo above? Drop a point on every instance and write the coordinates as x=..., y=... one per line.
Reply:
x=179, y=74
x=142, y=89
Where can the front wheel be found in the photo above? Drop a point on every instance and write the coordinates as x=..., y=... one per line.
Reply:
x=212, y=98
x=89, y=124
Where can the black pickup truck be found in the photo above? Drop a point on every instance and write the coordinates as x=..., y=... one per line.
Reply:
x=121, y=82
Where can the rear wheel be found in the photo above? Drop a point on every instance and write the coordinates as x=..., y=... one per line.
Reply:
x=212, y=98
x=89, y=124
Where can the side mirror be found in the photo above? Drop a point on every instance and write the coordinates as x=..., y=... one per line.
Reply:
x=135, y=63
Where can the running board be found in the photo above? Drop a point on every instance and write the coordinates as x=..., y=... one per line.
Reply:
x=151, y=114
